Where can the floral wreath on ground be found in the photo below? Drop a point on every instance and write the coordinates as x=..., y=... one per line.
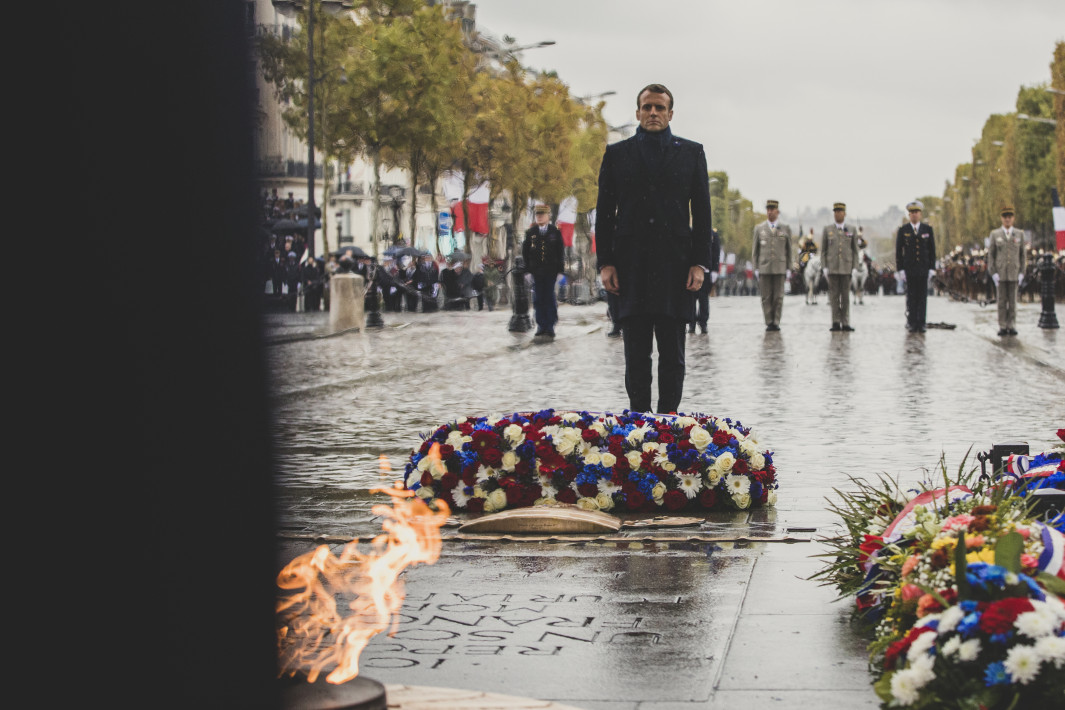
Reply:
x=635, y=462
x=990, y=636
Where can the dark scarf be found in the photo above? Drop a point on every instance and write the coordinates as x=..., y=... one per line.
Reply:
x=653, y=146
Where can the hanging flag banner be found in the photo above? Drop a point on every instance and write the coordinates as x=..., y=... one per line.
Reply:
x=591, y=228
x=567, y=218
x=1059, y=221
x=476, y=203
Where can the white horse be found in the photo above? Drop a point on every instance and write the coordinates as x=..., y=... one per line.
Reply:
x=858, y=276
x=811, y=274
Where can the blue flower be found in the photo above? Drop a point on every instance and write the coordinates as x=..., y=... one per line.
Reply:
x=968, y=606
x=526, y=450
x=1002, y=638
x=969, y=624
x=996, y=674
x=756, y=489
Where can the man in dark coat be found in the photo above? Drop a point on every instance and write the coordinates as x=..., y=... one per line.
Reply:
x=543, y=252
x=426, y=281
x=915, y=253
x=312, y=277
x=702, y=296
x=653, y=244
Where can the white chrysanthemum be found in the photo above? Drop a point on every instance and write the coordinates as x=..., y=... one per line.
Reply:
x=548, y=491
x=484, y=473
x=510, y=460
x=1039, y=622
x=742, y=500
x=951, y=646
x=458, y=493
x=605, y=501
x=949, y=619
x=636, y=435
x=747, y=446
x=608, y=459
x=658, y=491
x=922, y=665
x=690, y=484
x=725, y=462
x=661, y=458
x=757, y=461
x=1052, y=650
x=587, y=503
x=514, y=434
x=1022, y=663
x=571, y=417
x=737, y=484
x=635, y=458
x=906, y=687
x=920, y=646
x=700, y=438
x=969, y=650
x=605, y=486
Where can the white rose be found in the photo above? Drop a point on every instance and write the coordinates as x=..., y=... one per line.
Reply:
x=423, y=465
x=497, y=500
x=571, y=417
x=493, y=419
x=636, y=435
x=604, y=501
x=658, y=491
x=757, y=461
x=456, y=439
x=649, y=446
x=635, y=458
x=700, y=438
x=609, y=459
x=686, y=421
x=593, y=458
x=713, y=476
x=742, y=500
x=565, y=445
x=599, y=428
x=514, y=434
x=510, y=460
x=771, y=497
x=587, y=503
x=545, y=501
x=668, y=466
x=425, y=492
x=551, y=430
x=725, y=461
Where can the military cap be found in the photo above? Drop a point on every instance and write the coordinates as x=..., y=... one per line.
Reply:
x=915, y=205
x=1008, y=209
x=772, y=205
x=839, y=206
x=542, y=209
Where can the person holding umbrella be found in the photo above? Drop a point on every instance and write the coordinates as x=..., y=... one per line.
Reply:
x=427, y=282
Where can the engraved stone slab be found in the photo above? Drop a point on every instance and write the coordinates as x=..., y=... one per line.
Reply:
x=544, y=519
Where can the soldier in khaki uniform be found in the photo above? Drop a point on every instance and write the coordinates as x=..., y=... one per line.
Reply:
x=1006, y=264
x=771, y=252
x=839, y=254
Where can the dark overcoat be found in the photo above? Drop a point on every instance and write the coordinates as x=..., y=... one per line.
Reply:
x=915, y=250
x=653, y=225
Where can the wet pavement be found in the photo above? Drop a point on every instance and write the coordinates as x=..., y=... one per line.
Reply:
x=714, y=614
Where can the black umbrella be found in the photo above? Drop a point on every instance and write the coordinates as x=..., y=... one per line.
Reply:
x=408, y=251
x=285, y=226
x=458, y=256
x=301, y=211
x=353, y=251
x=301, y=225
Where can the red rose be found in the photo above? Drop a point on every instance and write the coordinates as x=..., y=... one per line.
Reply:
x=514, y=496
x=475, y=505
x=469, y=477
x=666, y=438
x=446, y=450
x=427, y=479
x=635, y=500
x=721, y=438
x=685, y=444
x=649, y=505
x=708, y=497
x=999, y=616
x=492, y=457
x=522, y=467
x=590, y=435
x=426, y=445
x=449, y=481
x=740, y=466
x=588, y=490
x=566, y=495
x=465, y=428
x=674, y=500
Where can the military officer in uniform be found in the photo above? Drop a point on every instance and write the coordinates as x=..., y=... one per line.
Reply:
x=544, y=254
x=1006, y=263
x=915, y=253
x=770, y=253
x=839, y=254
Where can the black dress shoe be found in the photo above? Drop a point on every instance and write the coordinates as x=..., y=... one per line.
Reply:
x=615, y=333
x=691, y=328
x=1003, y=331
x=1013, y=332
x=848, y=328
x=702, y=328
x=835, y=326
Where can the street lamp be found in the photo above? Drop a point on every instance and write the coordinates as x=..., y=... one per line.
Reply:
x=393, y=197
x=292, y=8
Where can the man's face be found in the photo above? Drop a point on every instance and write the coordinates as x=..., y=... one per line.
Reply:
x=654, y=113
x=542, y=218
x=839, y=215
x=772, y=213
x=1007, y=221
x=915, y=216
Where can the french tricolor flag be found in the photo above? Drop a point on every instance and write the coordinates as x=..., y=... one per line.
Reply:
x=476, y=203
x=1059, y=220
x=1052, y=559
x=567, y=218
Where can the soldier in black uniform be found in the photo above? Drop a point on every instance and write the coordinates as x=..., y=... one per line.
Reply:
x=915, y=253
x=543, y=252
x=312, y=276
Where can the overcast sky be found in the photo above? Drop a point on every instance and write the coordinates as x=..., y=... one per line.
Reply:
x=869, y=102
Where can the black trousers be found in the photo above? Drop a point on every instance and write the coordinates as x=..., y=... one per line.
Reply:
x=639, y=331
x=916, y=297
x=702, y=304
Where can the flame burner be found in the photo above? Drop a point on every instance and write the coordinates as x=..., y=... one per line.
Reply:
x=359, y=693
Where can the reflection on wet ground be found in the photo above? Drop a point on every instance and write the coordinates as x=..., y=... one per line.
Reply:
x=711, y=615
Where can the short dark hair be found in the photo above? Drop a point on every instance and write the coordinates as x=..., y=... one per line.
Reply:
x=655, y=89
